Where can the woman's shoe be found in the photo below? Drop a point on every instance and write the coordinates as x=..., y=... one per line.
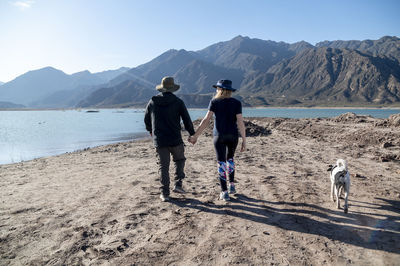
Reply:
x=224, y=196
x=178, y=189
x=232, y=189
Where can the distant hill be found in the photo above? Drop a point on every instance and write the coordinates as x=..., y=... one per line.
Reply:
x=8, y=105
x=125, y=94
x=88, y=83
x=108, y=75
x=34, y=87
x=1, y=83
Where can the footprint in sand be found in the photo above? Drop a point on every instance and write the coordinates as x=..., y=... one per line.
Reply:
x=123, y=246
x=268, y=178
x=113, y=222
x=135, y=183
x=130, y=225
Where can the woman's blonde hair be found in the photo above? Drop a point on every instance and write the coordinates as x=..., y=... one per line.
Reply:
x=221, y=93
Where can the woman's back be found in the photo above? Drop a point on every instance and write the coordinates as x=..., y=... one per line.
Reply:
x=225, y=111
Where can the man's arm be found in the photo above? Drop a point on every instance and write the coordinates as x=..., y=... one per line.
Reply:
x=147, y=118
x=187, y=121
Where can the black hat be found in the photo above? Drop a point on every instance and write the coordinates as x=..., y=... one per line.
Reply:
x=225, y=84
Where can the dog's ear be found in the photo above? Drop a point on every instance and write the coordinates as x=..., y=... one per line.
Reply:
x=330, y=167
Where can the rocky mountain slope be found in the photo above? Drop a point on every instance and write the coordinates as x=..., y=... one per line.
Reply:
x=388, y=46
x=276, y=73
x=241, y=59
x=330, y=75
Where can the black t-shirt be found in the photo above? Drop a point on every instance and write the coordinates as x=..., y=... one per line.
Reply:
x=225, y=111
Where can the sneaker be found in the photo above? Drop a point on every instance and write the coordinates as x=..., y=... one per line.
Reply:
x=224, y=196
x=178, y=189
x=232, y=189
x=164, y=198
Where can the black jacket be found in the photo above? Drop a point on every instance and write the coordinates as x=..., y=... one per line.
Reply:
x=163, y=119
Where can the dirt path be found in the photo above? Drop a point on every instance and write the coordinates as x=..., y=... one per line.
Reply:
x=101, y=206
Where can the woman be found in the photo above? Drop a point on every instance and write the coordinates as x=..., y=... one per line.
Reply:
x=228, y=119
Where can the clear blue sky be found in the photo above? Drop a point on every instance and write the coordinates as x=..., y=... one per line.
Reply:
x=74, y=35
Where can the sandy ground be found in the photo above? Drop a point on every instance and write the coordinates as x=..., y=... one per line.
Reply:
x=101, y=206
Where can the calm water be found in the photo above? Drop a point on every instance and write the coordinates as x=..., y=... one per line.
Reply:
x=25, y=135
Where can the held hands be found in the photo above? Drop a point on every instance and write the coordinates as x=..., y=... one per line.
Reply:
x=192, y=139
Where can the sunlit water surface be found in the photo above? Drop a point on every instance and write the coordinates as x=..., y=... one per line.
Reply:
x=25, y=135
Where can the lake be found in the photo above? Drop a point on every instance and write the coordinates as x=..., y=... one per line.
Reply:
x=25, y=135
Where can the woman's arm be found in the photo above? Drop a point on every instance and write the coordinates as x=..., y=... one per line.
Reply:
x=204, y=123
x=242, y=131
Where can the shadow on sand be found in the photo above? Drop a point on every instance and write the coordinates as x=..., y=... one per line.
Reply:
x=355, y=228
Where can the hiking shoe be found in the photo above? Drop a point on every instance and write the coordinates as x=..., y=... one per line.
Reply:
x=224, y=196
x=232, y=189
x=178, y=189
x=164, y=198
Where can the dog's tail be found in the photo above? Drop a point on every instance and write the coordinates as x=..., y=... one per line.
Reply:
x=341, y=163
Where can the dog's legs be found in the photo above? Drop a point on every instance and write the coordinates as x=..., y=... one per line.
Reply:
x=337, y=192
x=346, y=195
x=341, y=193
x=332, y=191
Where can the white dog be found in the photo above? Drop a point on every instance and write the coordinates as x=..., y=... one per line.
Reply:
x=340, y=179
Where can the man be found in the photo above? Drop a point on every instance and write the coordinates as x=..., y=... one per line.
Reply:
x=163, y=120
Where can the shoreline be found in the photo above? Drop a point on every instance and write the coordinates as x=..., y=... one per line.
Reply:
x=135, y=137
x=322, y=107
x=141, y=138
x=197, y=108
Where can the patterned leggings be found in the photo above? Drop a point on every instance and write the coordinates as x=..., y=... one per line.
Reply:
x=225, y=147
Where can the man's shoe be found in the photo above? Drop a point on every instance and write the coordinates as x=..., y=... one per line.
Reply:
x=164, y=198
x=224, y=196
x=178, y=189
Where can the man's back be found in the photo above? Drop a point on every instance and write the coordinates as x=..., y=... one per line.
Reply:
x=163, y=115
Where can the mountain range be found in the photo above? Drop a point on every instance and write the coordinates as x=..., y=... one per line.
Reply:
x=52, y=88
x=265, y=73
